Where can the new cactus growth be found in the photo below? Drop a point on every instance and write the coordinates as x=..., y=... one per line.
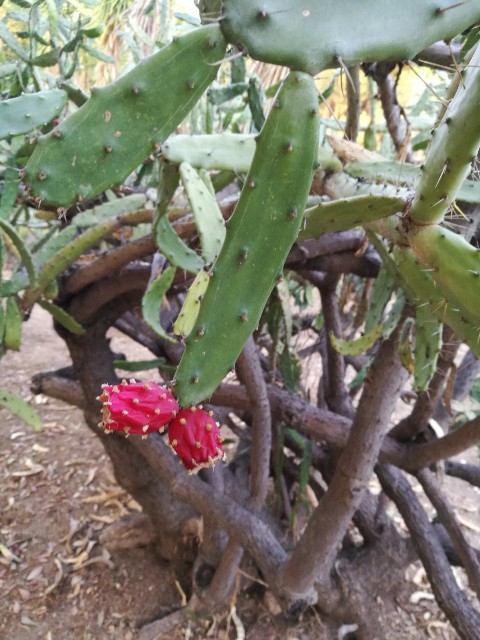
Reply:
x=123, y=123
x=136, y=407
x=195, y=437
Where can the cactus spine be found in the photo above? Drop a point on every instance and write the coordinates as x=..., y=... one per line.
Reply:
x=259, y=235
x=454, y=144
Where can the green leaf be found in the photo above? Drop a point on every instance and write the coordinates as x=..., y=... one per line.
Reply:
x=206, y=212
x=93, y=32
x=152, y=301
x=173, y=247
x=358, y=346
x=189, y=311
x=12, y=43
x=13, y=327
x=47, y=59
x=255, y=102
x=17, y=405
x=52, y=16
x=21, y=248
x=62, y=317
x=95, y=53
x=11, y=184
x=108, y=210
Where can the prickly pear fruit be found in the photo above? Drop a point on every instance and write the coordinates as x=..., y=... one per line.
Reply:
x=136, y=407
x=195, y=437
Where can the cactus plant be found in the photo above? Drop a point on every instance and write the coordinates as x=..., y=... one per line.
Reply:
x=315, y=34
x=195, y=437
x=98, y=142
x=29, y=111
x=136, y=407
x=269, y=213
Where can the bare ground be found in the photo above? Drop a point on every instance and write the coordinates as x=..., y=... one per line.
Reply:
x=57, y=495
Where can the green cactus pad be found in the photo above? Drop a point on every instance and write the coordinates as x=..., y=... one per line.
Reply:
x=359, y=345
x=316, y=34
x=121, y=124
x=227, y=151
x=206, y=213
x=381, y=294
x=29, y=111
x=428, y=342
x=421, y=289
x=453, y=264
x=454, y=144
x=347, y=213
x=259, y=235
x=401, y=173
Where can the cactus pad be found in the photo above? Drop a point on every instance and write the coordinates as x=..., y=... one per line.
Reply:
x=123, y=123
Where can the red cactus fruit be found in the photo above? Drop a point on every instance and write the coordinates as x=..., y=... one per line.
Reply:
x=195, y=437
x=136, y=407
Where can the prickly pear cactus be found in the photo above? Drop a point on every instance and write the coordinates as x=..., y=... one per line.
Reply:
x=123, y=123
x=259, y=235
x=315, y=34
x=25, y=113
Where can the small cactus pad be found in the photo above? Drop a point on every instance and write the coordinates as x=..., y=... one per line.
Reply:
x=136, y=407
x=195, y=437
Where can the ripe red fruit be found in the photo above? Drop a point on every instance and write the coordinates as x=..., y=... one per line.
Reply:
x=136, y=407
x=195, y=437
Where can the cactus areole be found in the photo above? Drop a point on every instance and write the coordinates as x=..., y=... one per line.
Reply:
x=136, y=407
x=195, y=437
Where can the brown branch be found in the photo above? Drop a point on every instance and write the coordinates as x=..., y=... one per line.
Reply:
x=446, y=515
x=365, y=266
x=335, y=391
x=440, y=54
x=423, y=455
x=392, y=111
x=85, y=305
x=468, y=472
x=321, y=425
x=427, y=401
x=326, y=245
x=352, y=124
x=451, y=599
x=248, y=529
x=59, y=385
x=312, y=560
x=109, y=263
x=250, y=371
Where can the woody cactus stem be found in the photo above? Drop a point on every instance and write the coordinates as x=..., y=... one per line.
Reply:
x=260, y=233
x=454, y=145
x=136, y=407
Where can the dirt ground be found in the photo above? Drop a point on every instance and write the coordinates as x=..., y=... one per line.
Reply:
x=57, y=494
